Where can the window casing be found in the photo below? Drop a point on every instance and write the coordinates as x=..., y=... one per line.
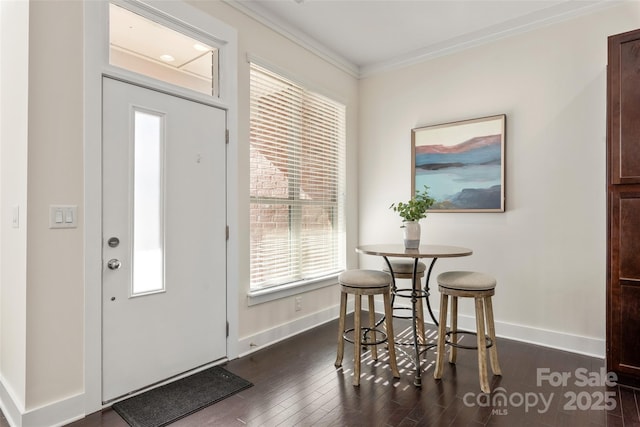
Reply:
x=297, y=209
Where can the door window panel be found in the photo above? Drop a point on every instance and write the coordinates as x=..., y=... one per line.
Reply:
x=148, y=253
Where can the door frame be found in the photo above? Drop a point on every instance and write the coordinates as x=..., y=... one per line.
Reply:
x=96, y=65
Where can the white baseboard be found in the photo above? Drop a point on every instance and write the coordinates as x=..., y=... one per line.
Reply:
x=56, y=414
x=10, y=409
x=271, y=336
x=589, y=346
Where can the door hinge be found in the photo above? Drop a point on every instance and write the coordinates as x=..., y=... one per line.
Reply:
x=227, y=329
x=226, y=136
x=227, y=232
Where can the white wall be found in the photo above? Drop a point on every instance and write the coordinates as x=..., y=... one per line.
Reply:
x=548, y=249
x=55, y=288
x=262, y=323
x=14, y=68
x=41, y=286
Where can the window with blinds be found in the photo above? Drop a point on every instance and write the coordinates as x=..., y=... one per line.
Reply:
x=297, y=148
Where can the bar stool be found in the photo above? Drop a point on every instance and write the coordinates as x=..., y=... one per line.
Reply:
x=370, y=283
x=481, y=287
x=403, y=269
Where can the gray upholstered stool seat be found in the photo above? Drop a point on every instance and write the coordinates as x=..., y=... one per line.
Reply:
x=403, y=269
x=370, y=283
x=364, y=279
x=481, y=287
x=466, y=280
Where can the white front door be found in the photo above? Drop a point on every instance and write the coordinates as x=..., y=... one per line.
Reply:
x=164, y=237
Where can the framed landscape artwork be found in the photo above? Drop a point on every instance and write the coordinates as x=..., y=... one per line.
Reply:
x=462, y=163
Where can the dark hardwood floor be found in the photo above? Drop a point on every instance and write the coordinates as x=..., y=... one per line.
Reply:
x=296, y=384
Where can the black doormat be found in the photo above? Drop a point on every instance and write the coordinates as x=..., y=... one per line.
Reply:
x=170, y=402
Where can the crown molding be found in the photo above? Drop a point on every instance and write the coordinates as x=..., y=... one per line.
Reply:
x=555, y=14
x=284, y=29
x=558, y=13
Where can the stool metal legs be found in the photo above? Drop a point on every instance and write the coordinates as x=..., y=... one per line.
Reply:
x=417, y=311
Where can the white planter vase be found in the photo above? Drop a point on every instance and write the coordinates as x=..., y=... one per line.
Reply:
x=411, y=234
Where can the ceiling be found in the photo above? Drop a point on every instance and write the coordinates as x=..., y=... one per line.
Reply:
x=365, y=36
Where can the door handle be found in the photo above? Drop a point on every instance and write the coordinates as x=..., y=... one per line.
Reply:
x=114, y=264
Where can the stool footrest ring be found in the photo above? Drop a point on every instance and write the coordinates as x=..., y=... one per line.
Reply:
x=488, y=340
x=408, y=293
x=398, y=316
x=365, y=331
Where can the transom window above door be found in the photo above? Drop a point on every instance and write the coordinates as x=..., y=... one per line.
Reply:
x=149, y=48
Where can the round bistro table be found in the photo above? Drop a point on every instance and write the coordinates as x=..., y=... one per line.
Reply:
x=434, y=252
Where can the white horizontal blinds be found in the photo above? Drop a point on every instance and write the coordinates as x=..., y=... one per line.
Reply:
x=297, y=176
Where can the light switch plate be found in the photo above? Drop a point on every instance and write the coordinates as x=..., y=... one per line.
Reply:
x=63, y=216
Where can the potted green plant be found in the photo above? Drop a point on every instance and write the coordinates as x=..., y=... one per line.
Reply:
x=411, y=213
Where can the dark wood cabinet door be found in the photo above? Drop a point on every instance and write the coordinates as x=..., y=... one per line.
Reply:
x=624, y=282
x=623, y=210
x=624, y=108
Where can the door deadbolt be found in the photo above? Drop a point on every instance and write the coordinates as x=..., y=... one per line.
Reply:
x=114, y=264
x=113, y=242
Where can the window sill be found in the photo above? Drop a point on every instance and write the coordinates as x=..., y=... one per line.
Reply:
x=260, y=296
